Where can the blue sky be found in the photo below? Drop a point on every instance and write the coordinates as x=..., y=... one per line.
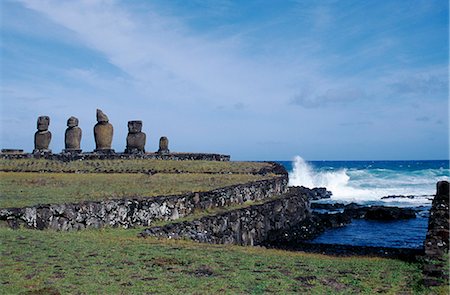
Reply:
x=260, y=80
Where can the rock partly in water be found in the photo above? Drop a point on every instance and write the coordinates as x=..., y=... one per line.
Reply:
x=327, y=206
x=389, y=213
x=317, y=193
x=382, y=213
x=307, y=229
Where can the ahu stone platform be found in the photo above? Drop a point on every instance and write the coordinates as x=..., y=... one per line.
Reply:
x=112, y=156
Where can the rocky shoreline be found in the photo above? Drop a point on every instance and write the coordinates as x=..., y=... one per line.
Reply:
x=406, y=254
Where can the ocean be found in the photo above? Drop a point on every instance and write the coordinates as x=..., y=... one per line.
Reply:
x=366, y=183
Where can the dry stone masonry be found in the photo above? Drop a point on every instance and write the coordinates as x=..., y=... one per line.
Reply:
x=437, y=240
x=129, y=212
x=13, y=154
x=248, y=226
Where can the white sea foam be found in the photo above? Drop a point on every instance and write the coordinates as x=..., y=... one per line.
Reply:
x=360, y=185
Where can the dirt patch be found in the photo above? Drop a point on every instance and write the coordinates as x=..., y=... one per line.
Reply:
x=165, y=261
x=204, y=271
x=306, y=281
x=333, y=283
x=44, y=291
x=127, y=262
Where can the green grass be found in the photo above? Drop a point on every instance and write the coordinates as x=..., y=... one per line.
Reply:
x=116, y=261
x=129, y=165
x=25, y=189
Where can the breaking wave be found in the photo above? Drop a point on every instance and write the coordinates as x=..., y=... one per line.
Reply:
x=368, y=184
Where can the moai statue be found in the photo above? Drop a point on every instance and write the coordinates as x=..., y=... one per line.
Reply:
x=73, y=136
x=163, y=145
x=42, y=137
x=103, y=133
x=135, y=138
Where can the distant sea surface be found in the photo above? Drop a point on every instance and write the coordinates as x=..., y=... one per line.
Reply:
x=367, y=182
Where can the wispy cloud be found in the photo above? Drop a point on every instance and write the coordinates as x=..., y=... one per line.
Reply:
x=228, y=71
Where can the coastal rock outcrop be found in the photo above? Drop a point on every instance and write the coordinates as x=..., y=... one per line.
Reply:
x=356, y=211
x=319, y=193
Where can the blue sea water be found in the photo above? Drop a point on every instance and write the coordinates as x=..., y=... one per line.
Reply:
x=366, y=182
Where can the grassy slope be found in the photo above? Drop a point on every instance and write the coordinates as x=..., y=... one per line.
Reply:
x=129, y=165
x=24, y=189
x=113, y=261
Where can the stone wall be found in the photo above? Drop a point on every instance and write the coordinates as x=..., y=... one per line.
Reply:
x=112, y=156
x=245, y=226
x=437, y=240
x=138, y=211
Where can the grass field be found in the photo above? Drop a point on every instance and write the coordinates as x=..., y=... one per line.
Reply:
x=25, y=189
x=129, y=166
x=116, y=261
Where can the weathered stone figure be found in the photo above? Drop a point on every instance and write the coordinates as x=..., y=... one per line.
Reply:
x=135, y=138
x=72, y=137
x=103, y=133
x=163, y=145
x=42, y=137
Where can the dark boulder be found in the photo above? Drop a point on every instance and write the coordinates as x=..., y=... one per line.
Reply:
x=378, y=212
x=389, y=213
x=327, y=206
x=317, y=193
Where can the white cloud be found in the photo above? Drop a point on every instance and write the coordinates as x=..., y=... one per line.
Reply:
x=213, y=87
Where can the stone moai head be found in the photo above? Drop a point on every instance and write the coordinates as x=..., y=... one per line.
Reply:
x=42, y=123
x=163, y=145
x=72, y=122
x=101, y=117
x=135, y=126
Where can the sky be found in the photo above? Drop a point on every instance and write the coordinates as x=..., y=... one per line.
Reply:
x=259, y=80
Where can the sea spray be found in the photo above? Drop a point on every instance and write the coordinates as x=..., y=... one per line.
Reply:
x=355, y=182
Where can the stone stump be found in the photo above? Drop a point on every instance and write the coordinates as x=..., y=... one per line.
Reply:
x=103, y=134
x=135, y=138
x=163, y=145
x=42, y=137
x=72, y=137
